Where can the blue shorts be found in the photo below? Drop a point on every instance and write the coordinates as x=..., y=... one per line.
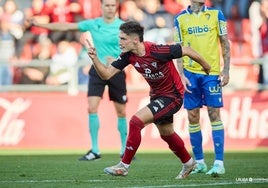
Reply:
x=206, y=90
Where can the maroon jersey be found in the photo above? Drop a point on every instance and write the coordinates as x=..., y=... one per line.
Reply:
x=157, y=67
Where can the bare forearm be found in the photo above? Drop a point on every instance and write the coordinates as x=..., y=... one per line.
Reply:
x=188, y=51
x=101, y=69
x=225, y=45
x=58, y=26
x=195, y=56
x=180, y=66
x=105, y=72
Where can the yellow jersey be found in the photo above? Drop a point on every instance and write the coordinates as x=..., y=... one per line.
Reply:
x=201, y=32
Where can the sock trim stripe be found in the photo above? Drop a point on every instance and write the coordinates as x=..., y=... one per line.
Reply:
x=215, y=123
x=194, y=128
x=217, y=128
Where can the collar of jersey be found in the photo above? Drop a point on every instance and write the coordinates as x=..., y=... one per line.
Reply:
x=204, y=8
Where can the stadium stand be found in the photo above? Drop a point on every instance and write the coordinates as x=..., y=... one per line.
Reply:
x=244, y=74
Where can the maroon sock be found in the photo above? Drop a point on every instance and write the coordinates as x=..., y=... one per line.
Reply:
x=176, y=145
x=133, y=140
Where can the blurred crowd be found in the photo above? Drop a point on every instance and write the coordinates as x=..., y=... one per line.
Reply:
x=20, y=42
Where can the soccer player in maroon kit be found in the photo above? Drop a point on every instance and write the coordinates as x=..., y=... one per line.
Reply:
x=155, y=63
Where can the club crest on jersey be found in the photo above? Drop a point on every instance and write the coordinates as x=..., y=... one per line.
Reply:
x=207, y=16
x=154, y=64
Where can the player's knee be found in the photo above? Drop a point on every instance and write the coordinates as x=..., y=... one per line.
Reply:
x=135, y=123
x=193, y=120
x=193, y=116
x=92, y=110
x=120, y=109
x=165, y=130
x=214, y=114
x=121, y=114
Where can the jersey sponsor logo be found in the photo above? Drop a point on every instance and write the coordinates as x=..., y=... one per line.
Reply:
x=147, y=71
x=215, y=89
x=198, y=29
x=154, y=76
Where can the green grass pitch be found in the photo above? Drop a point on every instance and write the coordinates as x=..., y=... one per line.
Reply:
x=151, y=169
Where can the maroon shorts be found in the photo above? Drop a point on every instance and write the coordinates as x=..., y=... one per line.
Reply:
x=164, y=107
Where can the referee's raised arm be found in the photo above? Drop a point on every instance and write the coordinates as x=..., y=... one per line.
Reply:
x=57, y=26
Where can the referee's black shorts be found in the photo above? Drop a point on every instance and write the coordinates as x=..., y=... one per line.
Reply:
x=116, y=86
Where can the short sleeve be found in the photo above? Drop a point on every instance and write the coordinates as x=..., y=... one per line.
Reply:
x=122, y=61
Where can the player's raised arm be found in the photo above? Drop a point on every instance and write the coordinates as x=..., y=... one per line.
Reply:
x=57, y=26
x=188, y=51
x=105, y=72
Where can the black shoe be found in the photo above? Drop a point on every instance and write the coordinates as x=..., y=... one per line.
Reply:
x=90, y=156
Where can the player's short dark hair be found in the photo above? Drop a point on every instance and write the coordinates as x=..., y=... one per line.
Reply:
x=133, y=27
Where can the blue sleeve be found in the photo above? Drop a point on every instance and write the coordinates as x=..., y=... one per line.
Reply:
x=221, y=16
x=177, y=28
x=222, y=27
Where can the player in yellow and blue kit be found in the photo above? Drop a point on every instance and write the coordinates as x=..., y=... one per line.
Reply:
x=204, y=29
